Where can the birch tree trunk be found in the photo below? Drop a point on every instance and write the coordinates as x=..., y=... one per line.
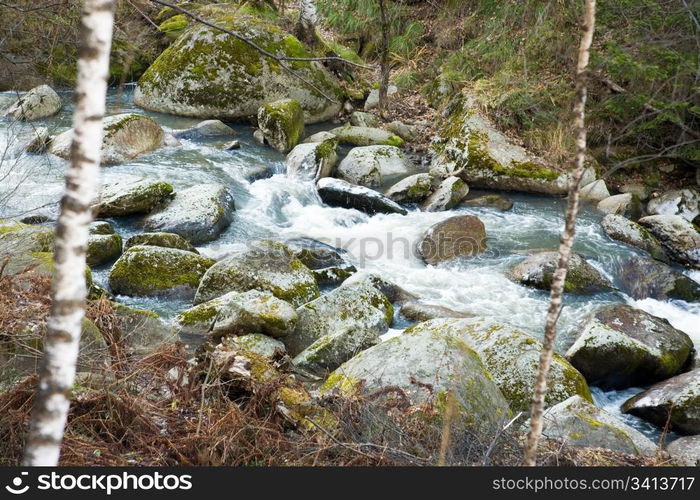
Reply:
x=384, y=59
x=306, y=26
x=567, y=239
x=57, y=370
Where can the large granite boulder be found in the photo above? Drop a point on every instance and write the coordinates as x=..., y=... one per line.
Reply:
x=537, y=271
x=447, y=195
x=683, y=202
x=165, y=240
x=622, y=229
x=680, y=238
x=39, y=102
x=130, y=196
x=412, y=189
x=371, y=165
x=626, y=204
x=458, y=236
x=366, y=136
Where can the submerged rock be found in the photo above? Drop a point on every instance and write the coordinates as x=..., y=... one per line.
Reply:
x=622, y=229
x=680, y=238
x=412, y=189
x=447, y=195
x=205, y=130
x=165, y=240
x=497, y=201
x=459, y=236
x=338, y=193
x=282, y=124
x=646, y=278
x=39, y=102
x=103, y=248
x=372, y=165
x=198, y=214
x=253, y=312
x=537, y=271
x=129, y=197
x=626, y=204
x=683, y=202
x=366, y=136
x=619, y=346
x=312, y=160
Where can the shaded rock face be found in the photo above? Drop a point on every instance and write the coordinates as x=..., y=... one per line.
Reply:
x=312, y=160
x=537, y=271
x=125, y=137
x=446, y=196
x=338, y=193
x=595, y=191
x=622, y=229
x=427, y=366
x=620, y=346
x=166, y=240
x=265, y=266
x=39, y=102
x=680, y=238
x=676, y=401
x=198, y=214
x=512, y=359
x=459, y=236
x=282, y=124
x=372, y=165
x=154, y=271
x=646, y=278
x=412, y=189
x=142, y=330
x=209, y=74
x=326, y=262
x=682, y=202
x=100, y=227
x=418, y=311
x=582, y=424
x=129, y=197
x=366, y=136
x=685, y=451
x=626, y=204
x=497, y=201
x=103, y=248
x=205, y=130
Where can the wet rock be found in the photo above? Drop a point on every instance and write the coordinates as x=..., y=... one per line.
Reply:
x=230, y=146
x=205, y=130
x=371, y=165
x=129, y=197
x=595, y=191
x=361, y=119
x=366, y=136
x=165, y=240
x=685, y=451
x=459, y=236
x=419, y=311
x=100, y=227
x=170, y=141
x=339, y=193
x=39, y=102
x=327, y=263
x=312, y=160
x=390, y=290
x=622, y=229
x=258, y=343
x=412, y=189
x=103, y=248
x=282, y=124
x=496, y=201
x=680, y=238
x=683, y=202
x=646, y=278
x=537, y=271
x=447, y=195
x=626, y=204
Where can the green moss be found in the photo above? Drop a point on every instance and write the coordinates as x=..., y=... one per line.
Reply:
x=343, y=383
x=394, y=140
x=324, y=150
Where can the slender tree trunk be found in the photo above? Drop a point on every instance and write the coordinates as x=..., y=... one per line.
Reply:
x=57, y=370
x=306, y=26
x=384, y=59
x=567, y=239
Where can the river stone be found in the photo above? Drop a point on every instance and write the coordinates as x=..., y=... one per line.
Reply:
x=125, y=137
x=583, y=425
x=390, y=290
x=458, y=236
x=371, y=165
x=679, y=396
x=339, y=193
x=198, y=214
x=626, y=204
x=595, y=191
x=637, y=189
x=496, y=201
x=145, y=271
x=265, y=266
x=427, y=365
x=680, y=238
x=142, y=329
x=100, y=227
x=362, y=119
x=103, y=248
x=322, y=136
x=447, y=195
x=338, y=325
x=646, y=278
x=470, y=146
x=366, y=136
x=165, y=240
x=282, y=124
x=406, y=132
x=414, y=310
x=258, y=343
x=129, y=197
x=373, y=97
x=622, y=229
x=683, y=202
x=327, y=264
x=209, y=74
x=685, y=451
x=39, y=102
x=312, y=160
x=619, y=346
x=205, y=130
x=512, y=358
x=537, y=271
x=412, y=189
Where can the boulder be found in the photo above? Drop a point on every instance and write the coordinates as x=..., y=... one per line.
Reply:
x=125, y=137
x=675, y=401
x=646, y=278
x=406, y=132
x=209, y=74
x=683, y=202
x=447, y=195
x=390, y=290
x=372, y=100
x=39, y=102
x=537, y=271
x=266, y=266
x=257, y=343
x=637, y=189
x=154, y=271
x=680, y=238
x=165, y=240
x=103, y=248
x=362, y=119
x=626, y=204
x=495, y=201
x=619, y=346
x=412, y=189
x=327, y=264
x=622, y=229
x=339, y=193
x=322, y=136
x=129, y=197
x=595, y=191
x=685, y=451
x=312, y=160
x=205, y=130
x=142, y=330
x=282, y=124
x=366, y=136
x=458, y=236
x=198, y=214
x=414, y=310
x=100, y=227
x=579, y=423
x=512, y=358
x=371, y=165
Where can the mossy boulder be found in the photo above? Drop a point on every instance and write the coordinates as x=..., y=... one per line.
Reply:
x=131, y=196
x=198, y=214
x=417, y=311
x=675, y=401
x=257, y=343
x=458, y=236
x=619, y=346
x=39, y=102
x=338, y=325
x=339, y=193
x=144, y=271
x=495, y=201
x=100, y=227
x=579, y=423
x=622, y=229
x=680, y=238
x=366, y=136
x=125, y=137
x=412, y=189
x=142, y=330
x=209, y=74
x=512, y=359
x=197, y=321
x=165, y=240
x=373, y=165
x=103, y=248
x=266, y=266
x=645, y=278
x=321, y=136
x=282, y=124
x=312, y=160
x=683, y=202
x=326, y=262
x=537, y=271
x=626, y=204
x=11, y=225
x=447, y=195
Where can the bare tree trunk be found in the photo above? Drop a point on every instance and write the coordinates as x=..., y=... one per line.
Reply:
x=384, y=59
x=306, y=26
x=567, y=239
x=57, y=370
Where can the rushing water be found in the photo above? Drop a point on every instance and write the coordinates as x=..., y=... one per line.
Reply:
x=282, y=208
